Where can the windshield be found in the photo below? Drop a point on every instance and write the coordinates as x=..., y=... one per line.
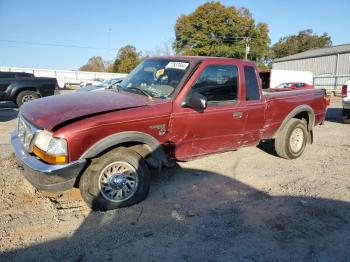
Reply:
x=155, y=77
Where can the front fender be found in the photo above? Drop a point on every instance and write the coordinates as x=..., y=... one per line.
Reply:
x=157, y=152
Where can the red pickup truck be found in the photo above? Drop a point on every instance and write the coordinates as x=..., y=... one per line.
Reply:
x=167, y=109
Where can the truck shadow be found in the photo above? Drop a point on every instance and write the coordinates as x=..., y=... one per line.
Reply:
x=8, y=111
x=268, y=146
x=334, y=115
x=194, y=215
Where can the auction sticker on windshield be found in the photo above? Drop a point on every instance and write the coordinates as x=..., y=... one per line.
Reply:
x=177, y=65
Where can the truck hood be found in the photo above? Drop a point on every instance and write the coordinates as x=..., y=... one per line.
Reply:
x=48, y=112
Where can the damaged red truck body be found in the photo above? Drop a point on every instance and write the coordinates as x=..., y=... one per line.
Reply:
x=167, y=109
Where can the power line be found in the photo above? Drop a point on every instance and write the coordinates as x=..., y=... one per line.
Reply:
x=56, y=45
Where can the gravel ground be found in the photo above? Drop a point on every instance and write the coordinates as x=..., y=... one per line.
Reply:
x=247, y=205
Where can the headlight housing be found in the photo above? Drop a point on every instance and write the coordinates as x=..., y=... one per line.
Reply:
x=25, y=133
x=50, y=149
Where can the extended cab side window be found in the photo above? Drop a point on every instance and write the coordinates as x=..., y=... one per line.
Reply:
x=218, y=83
x=251, y=84
x=24, y=75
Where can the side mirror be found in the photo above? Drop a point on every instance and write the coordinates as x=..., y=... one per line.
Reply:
x=195, y=101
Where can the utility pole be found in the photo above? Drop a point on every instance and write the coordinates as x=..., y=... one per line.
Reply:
x=247, y=47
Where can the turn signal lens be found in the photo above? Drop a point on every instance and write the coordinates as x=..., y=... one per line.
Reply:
x=51, y=159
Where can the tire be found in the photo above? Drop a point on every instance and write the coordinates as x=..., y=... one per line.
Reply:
x=291, y=141
x=103, y=188
x=346, y=116
x=25, y=96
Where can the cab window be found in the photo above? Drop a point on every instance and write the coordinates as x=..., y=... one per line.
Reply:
x=24, y=75
x=251, y=84
x=218, y=83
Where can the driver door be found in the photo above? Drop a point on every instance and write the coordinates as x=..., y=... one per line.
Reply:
x=218, y=127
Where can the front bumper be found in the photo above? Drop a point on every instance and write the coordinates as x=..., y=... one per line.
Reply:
x=43, y=176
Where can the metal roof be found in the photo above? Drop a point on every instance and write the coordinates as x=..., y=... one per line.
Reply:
x=338, y=49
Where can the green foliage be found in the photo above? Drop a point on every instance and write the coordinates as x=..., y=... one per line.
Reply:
x=262, y=66
x=303, y=41
x=215, y=30
x=127, y=59
x=94, y=64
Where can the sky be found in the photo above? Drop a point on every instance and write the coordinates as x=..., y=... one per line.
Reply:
x=64, y=34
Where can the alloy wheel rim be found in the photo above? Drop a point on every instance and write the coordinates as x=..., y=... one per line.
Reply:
x=27, y=98
x=118, y=181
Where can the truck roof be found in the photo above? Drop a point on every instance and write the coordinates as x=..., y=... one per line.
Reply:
x=197, y=59
x=5, y=74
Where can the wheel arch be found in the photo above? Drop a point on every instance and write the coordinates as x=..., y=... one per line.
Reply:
x=301, y=112
x=15, y=90
x=152, y=150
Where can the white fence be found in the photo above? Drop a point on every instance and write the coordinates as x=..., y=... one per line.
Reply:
x=69, y=77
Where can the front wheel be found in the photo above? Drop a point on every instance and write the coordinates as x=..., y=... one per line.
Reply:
x=291, y=141
x=25, y=96
x=116, y=179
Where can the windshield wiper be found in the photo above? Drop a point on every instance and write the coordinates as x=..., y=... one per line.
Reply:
x=144, y=92
x=117, y=86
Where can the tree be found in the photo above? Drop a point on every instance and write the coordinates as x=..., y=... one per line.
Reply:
x=163, y=50
x=127, y=59
x=215, y=30
x=94, y=64
x=303, y=41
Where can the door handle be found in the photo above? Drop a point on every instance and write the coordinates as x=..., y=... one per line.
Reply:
x=237, y=115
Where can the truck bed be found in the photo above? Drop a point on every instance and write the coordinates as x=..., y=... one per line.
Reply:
x=280, y=103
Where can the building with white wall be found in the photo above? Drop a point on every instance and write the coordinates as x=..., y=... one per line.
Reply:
x=330, y=65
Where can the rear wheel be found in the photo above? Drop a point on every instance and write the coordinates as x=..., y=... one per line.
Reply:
x=25, y=96
x=291, y=141
x=116, y=179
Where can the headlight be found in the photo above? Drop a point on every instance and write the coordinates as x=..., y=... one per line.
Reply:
x=50, y=149
x=25, y=133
